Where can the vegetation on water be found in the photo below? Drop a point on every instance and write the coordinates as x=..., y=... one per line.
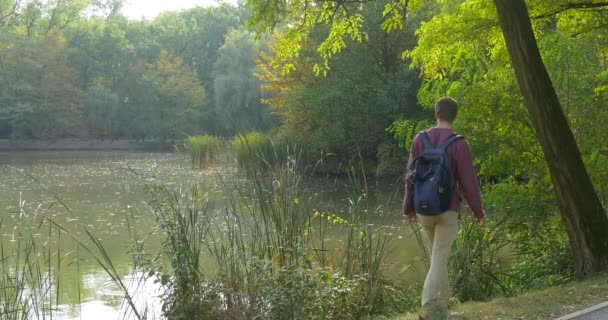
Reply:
x=203, y=149
x=26, y=284
x=272, y=257
x=254, y=150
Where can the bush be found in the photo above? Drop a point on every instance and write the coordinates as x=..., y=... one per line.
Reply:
x=202, y=150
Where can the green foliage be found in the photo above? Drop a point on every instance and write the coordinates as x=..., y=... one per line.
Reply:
x=102, y=112
x=237, y=92
x=534, y=228
x=178, y=95
x=38, y=97
x=391, y=160
x=157, y=76
x=345, y=113
x=202, y=150
x=522, y=247
x=303, y=293
x=479, y=262
x=404, y=131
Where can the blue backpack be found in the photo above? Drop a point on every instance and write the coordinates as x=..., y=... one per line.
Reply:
x=432, y=177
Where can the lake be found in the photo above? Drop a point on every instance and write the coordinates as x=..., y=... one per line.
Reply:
x=104, y=193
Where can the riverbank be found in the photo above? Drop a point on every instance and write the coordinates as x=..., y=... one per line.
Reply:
x=84, y=145
x=546, y=304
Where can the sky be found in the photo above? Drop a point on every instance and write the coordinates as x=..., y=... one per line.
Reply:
x=136, y=9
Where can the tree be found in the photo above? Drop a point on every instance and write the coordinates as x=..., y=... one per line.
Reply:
x=103, y=113
x=38, y=98
x=582, y=212
x=173, y=98
x=237, y=93
x=364, y=89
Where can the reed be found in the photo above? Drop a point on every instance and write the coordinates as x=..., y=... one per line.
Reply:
x=29, y=271
x=178, y=215
x=479, y=265
x=203, y=150
x=269, y=246
x=254, y=150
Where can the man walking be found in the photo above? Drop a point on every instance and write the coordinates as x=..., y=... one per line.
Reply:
x=441, y=229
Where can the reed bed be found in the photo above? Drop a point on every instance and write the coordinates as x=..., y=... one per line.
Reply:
x=203, y=149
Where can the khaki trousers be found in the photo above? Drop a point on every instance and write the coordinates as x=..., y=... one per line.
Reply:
x=440, y=232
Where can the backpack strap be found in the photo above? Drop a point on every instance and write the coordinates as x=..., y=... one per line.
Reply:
x=425, y=140
x=451, y=139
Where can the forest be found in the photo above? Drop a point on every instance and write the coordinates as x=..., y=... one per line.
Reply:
x=350, y=81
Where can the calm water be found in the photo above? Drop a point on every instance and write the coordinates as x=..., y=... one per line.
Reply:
x=101, y=189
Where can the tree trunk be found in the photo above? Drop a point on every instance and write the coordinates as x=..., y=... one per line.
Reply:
x=582, y=213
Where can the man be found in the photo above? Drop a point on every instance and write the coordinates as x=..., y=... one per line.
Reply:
x=441, y=230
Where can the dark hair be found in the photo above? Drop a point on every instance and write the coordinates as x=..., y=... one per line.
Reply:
x=446, y=108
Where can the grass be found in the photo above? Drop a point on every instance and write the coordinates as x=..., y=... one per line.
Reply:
x=543, y=304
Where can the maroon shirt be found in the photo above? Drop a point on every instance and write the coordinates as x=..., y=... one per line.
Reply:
x=463, y=172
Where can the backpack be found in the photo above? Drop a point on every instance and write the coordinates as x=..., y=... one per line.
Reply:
x=432, y=177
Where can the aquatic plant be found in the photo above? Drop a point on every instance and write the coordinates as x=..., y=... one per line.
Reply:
x=254, y=150
x=29, y=271
x=202, y=150
x=269, y=246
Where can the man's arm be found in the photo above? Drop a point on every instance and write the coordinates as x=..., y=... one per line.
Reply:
x=408, y=206
x=467, y=177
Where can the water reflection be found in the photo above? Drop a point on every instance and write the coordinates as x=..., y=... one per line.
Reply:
x=105, y=300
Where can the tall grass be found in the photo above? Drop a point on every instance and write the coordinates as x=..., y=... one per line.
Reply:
x=270, y=251
x=480, y=261
x=178, y=218
x=202, y=150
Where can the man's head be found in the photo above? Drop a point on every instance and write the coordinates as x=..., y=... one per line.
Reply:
x=446, y=109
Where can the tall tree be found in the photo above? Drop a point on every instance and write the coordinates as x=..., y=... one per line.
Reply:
x=364, y=89
x=38, y=97
x=102, y=111
x=174, y=97
x=237, y=92
x=582, y=212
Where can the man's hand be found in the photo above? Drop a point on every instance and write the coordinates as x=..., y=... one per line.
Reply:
x=411, y=216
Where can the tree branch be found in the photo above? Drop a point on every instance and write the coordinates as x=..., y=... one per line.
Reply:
x=600, y=26
x=574, y=6
x=53, y=16
x=4, y=18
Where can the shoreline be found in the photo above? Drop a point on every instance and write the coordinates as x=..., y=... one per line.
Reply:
x=83, y=145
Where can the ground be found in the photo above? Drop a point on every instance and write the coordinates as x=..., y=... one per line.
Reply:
x=544, y=304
